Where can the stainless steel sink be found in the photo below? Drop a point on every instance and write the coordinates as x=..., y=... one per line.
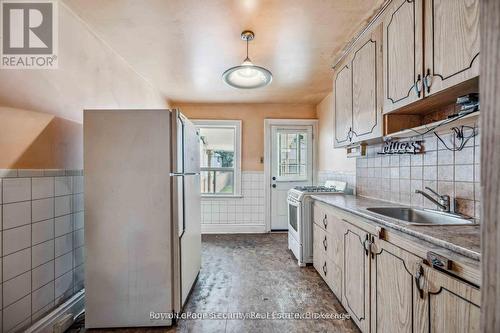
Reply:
x=421, y=216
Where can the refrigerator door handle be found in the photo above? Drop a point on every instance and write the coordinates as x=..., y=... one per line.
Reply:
x=182, y=174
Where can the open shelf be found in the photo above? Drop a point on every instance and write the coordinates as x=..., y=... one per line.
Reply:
x=441, y=126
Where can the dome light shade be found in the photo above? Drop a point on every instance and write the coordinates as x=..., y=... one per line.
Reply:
x=247, y=75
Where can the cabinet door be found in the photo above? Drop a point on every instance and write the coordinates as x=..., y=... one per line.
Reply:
x=356, y=279
x=403, y=53
x=451, y=43
x=343, y=106
x=366, y=67
x=397, y=306
x=453, y=305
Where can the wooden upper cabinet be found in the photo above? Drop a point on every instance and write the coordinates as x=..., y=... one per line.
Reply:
x=403, y=54
x=356, y=279
x=451, y=43
x=366, y=68
x=343, y=105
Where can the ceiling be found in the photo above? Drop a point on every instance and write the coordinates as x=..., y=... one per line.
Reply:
x=183, y=46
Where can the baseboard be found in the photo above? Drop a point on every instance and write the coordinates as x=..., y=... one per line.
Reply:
x=221, y=228
x=75, y=305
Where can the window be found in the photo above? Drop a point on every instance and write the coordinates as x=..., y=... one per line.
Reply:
x=220, y=157
x=292, y=158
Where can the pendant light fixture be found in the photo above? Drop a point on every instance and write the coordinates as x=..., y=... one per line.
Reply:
x=247, y=75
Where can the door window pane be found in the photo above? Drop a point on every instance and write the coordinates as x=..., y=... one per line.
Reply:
x=292, y=157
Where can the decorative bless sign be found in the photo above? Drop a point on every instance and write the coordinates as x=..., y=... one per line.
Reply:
x=406, y=147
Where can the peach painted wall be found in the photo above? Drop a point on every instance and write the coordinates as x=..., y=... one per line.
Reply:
x=252, y=116
x=36, y=140
x=330, y=159
x=91, y=75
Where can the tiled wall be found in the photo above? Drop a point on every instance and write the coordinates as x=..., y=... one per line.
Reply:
x=41, y=234
x=249, y=209
x=396, y=177
x=345, y=176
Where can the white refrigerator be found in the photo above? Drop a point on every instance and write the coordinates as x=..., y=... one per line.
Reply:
x=142, y=216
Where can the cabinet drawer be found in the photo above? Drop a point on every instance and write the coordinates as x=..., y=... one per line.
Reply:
x=324, y=259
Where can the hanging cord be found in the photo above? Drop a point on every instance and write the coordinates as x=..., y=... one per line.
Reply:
x=459, y=134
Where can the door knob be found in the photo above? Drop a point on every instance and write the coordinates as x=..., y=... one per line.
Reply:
x=274, y=185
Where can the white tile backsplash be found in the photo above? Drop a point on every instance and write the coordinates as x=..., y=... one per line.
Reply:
x=41, y=253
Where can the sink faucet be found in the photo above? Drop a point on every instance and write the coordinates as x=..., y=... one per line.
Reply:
x=443, y=201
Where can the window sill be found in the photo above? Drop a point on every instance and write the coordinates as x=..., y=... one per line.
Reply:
x=221, y=196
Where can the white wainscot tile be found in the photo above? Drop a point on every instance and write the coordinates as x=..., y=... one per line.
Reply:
x=63, y=264
x=16, y=189
x=63, y=185
x=42, y=187
x=16, y=288
x=42, y=231
x=43, y=296
x=16, y=313
x=16, y=263
x=42, y=209
x=42, y=275
x=63, y=225
x=16, y=214
x=63, y=244
x=43, y=253
x=63, y=205
x=16, y=239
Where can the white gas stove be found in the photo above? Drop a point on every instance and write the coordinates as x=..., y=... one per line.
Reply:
x=300, y=217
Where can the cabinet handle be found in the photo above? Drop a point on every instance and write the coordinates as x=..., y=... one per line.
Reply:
x=325, y=222
x=418, y=280
x=418, y=91
x=324, y=268
x=428, y=80
x=367, y=244
x=324, y=243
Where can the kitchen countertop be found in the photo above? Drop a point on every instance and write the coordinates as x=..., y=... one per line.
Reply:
x=462, y=239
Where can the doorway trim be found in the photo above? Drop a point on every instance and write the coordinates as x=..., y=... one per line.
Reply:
x=267, y=157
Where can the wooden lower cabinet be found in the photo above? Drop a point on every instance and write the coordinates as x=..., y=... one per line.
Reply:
x=452, y=305
x=356, y=279
x=386, y=288
x=397, y=305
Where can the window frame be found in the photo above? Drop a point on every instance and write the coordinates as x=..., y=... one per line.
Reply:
x=236, y=126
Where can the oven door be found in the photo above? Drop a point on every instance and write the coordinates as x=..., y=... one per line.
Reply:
x=294, y=214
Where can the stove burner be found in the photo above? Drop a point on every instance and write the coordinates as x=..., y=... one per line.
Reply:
x=315, y=189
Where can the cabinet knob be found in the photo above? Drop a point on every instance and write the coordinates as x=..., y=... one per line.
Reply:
x=324, y=243
x=324, y=268
x=325, y=221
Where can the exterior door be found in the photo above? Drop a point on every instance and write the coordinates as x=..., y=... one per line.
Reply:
x=451, y=43
x=291, y=165
x=403, y=54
